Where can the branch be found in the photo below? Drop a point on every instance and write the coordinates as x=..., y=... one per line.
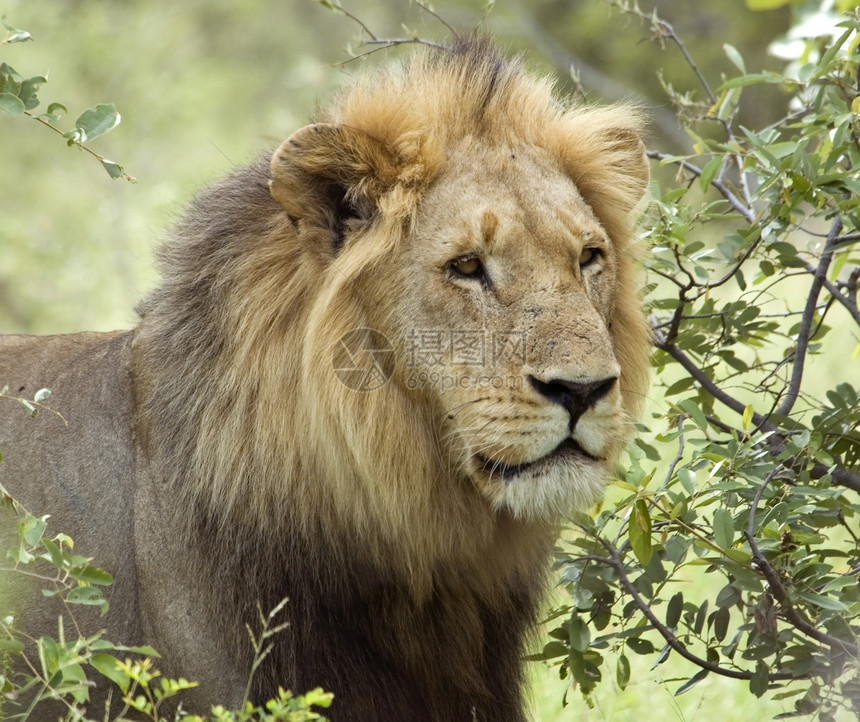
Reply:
x=775, y=583
x=840, y=477
x=383, y=43
x=733, y=200
x=804, y=334
x=100, y=158
x=848, y=301
x=699, y=376
x=615, y=562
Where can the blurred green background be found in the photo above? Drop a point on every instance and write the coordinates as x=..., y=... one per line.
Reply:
x=204, y=85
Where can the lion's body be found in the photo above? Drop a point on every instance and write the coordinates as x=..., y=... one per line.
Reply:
x=215, y=461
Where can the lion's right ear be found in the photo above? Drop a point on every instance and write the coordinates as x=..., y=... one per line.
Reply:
x=323, y=175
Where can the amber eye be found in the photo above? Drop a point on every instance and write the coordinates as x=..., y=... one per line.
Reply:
x=468, y=267
x=589, y=256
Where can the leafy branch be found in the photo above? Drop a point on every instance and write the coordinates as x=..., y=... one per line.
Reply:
x=19, y=96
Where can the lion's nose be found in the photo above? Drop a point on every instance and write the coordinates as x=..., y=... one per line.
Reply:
x=576, y=396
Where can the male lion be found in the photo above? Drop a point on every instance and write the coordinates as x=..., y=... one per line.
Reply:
x=448, y=225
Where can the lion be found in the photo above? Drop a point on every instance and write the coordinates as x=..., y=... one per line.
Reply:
x=449, y=229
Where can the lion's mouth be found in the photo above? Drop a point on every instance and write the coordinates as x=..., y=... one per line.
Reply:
x=567, y=449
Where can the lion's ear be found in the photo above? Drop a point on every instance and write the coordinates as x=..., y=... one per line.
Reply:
x=323, y=175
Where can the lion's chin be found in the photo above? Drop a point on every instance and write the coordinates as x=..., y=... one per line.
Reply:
x=546, y=489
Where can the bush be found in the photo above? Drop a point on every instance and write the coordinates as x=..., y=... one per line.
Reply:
x=750, y=471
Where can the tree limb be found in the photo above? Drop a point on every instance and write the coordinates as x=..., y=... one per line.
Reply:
x=804, y=334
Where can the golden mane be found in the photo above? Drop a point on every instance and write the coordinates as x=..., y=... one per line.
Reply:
x=250, y=406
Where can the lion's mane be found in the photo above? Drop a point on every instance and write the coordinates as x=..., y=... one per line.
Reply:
x=292, y=485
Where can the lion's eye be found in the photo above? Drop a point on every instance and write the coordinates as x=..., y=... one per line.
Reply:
x=589, y=256
x=468, y=267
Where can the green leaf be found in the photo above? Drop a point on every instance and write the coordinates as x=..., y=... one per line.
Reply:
x=114, y=170
x=724, y=528
x=74, y=674
x=318, y=698
x=753, y=79
x=56, y=555
x=759, y=680
x=721, y=623
x=579, y=634
x=674, y=609
x=49, y=656
x=29, y=89
x=640, y=646
x=11, y=645
x=639, y=532
x=709, y=172
x=33, y=529
x=622, y=672
x=92, y=575
x=822, y=601
x=701, y=615
x=86, y=596
x=728, y=596
x=692, y=682
x=15, y=35
x=95, y=122
x=52, y=115
x=736, y=58
x=688, y=480
x=551, y=650
x=109, y=667
x=692, y=409
x=11, y=104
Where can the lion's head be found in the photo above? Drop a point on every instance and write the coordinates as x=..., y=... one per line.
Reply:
x=483, y=230
x=479, y=230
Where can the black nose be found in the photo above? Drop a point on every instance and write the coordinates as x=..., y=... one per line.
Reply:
x=576, y=396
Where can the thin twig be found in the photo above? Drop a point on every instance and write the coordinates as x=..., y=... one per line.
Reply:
x=706, y=383
x=615, y=562
x=837, y=294
x=733, y=200
x=430, y=11
x=100, y=158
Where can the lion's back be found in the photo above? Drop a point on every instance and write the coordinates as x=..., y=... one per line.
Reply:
x=80, y=472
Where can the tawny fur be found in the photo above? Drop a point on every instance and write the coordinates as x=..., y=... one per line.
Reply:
x=413, y=573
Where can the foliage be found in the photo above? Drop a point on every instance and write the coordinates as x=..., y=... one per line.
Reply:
x=62, y=668
x=752, y=477
x=19, y=96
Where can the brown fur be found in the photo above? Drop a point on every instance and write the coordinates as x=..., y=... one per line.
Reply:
x=410, y=526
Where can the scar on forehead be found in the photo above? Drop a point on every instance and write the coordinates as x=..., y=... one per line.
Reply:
x=489, y=224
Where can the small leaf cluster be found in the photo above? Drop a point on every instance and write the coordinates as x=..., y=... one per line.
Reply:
x=19, y=96
x=733, y=540
x=65, y=668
